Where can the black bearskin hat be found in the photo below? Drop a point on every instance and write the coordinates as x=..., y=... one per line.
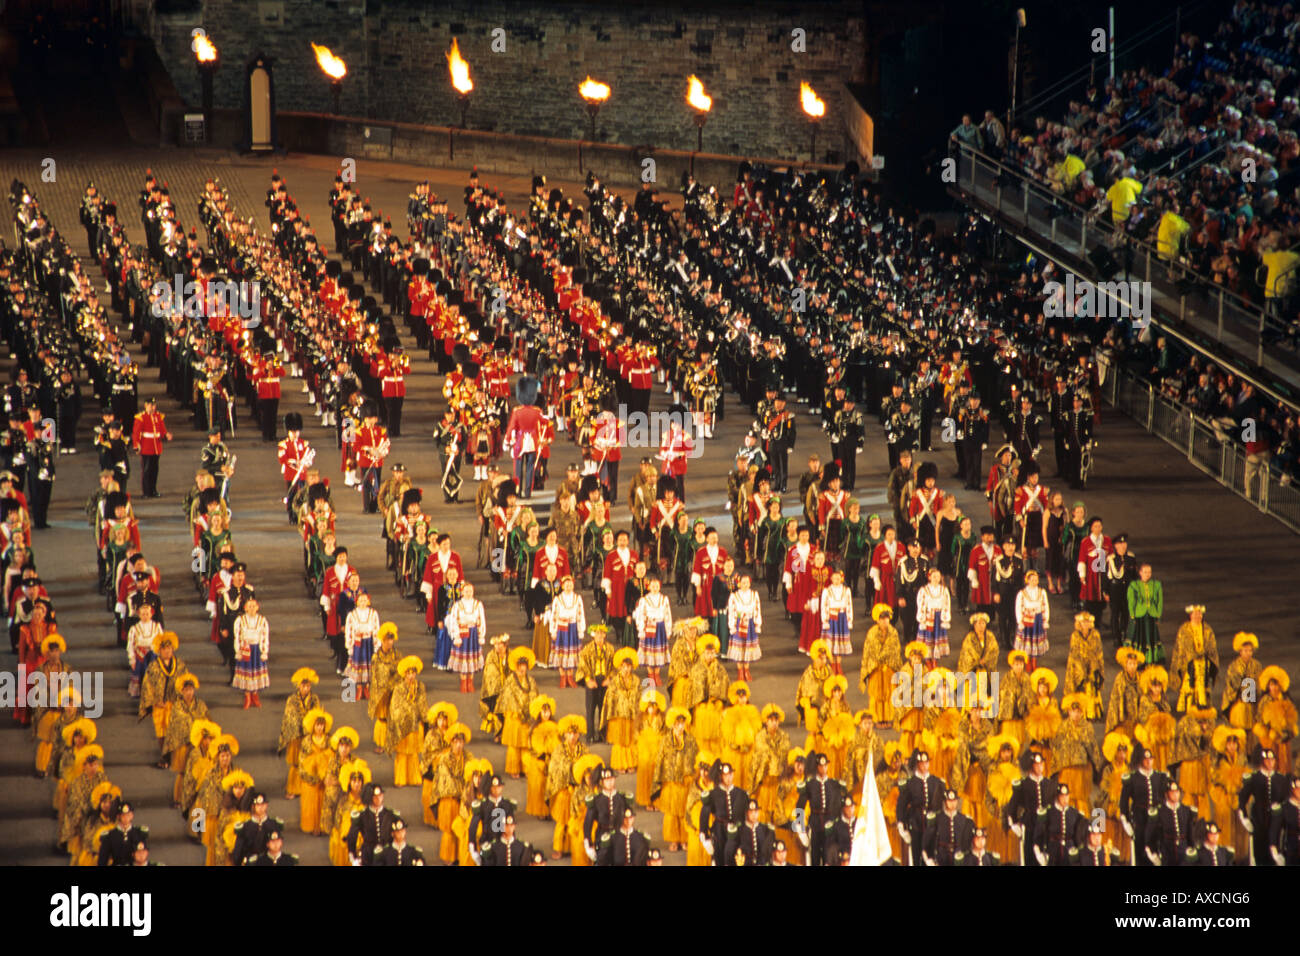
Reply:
x=927, y=470
x=292, y=422
x=504, y=492
x=333, y=269
x=526, y=390
x=412, y=496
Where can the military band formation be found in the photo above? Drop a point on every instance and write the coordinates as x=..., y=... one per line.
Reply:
x=798, y=301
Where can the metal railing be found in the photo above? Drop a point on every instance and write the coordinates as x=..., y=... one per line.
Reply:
x=1196, y=438
x=1245, y=328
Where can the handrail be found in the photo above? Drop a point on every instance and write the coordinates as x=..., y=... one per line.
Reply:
x=1271, y=495
x=1244, y=304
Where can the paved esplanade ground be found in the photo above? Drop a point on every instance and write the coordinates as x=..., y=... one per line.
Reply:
x=1207, y=545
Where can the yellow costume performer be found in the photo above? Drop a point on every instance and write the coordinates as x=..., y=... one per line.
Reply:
x=313, y=763
x=1085, y=671
x=619, y=710
x=383, y=678
x=741, y=723
x=543, y=738
x=709, y=684
x=881, y=659
x=518, y=688
x=649, y=734
x=407, y=706
x=674, y=771
x=295, y=709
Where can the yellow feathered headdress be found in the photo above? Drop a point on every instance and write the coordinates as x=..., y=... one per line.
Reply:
x=86, y=752
x=1044, y=674
x=316, y=713
x=305, y=674
x=1242, y=639
x=1274, y=673
x=651, y=696
x=203, y=728
x=705, y=641
x=737, y=688
x=1113, y=743
x=409, y=663
x=586, y=764
x=442, y=707
x=83, y=724
x=573, y=722
x=345, y=733
x=834, y=681
x=54, y=640
x=357, y=766
x=387, y=629
x=521, y=654
x=537, y=703
x=1153, y=674
x=166, y=637
x=675, y=714
x=1221, y=735
x=624, y=655
x=771, y=710
x=235, y=778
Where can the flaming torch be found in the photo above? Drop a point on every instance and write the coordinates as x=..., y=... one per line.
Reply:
x=459, y=69
x=595, y=94
x=205, y=57
x=815, y=108
x=334, y=68
x=701, y=102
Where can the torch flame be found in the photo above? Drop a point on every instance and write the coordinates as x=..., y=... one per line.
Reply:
x=204, y=49
x=327, y=61
x=459, y=69
x=696, y=95
x=593, y=91
x=812, y=104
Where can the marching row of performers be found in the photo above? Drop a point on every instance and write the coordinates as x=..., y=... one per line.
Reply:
x=1139, y=708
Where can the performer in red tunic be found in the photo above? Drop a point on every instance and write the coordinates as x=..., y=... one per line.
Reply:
x=1093, y=552
x=550, y=554
x=979, y=570
x=620, y=566
x=884, y=567
x=797, y=583
x=708, y=565
x=435, y=573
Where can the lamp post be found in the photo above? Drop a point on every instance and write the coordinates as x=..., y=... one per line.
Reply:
x=335, y=69
x=701, y=102
x=458, y=67
x=207, y=60
x=1015, y=69
x=594, y=93
x=814, y=108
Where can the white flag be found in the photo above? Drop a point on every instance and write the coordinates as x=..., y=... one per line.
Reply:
x=870, y=833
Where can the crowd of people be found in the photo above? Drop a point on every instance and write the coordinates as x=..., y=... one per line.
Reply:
x=598, y=306
x=1199, y=160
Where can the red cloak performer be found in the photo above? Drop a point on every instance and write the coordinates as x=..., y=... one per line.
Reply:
x=436, y=567
x=1093, y=552
x=620, y=565
x=332, y=586
x=884, y=571
x=798, y=585
x=708, y=565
